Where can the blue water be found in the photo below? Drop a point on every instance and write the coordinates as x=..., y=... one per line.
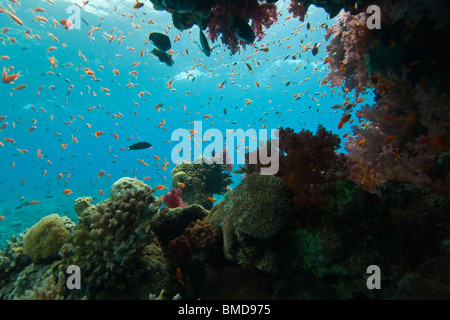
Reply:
x=272, y=104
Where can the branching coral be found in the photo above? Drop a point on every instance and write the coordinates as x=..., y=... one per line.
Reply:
x=109, y=240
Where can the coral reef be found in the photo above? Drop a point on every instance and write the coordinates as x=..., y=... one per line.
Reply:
x=306, y=233
x=111, y=243
x=308, y=164
x=201, y=180
x=45, y=238
x=404, y=136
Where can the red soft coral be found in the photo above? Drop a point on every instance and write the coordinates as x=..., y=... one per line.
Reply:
x=173, y=199
x=309, y=165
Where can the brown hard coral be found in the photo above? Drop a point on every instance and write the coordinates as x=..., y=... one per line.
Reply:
x=45, y=238
x=259, y=206
x=82, y=204
x=251, y=218
x=109, y=241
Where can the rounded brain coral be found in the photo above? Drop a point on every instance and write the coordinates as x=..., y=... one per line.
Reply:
x=45, y=238
x=127, y=183
x=259, y=206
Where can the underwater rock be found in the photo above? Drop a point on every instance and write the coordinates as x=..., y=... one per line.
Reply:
x=420, y=217
x=431, y=279
x=45, y=238
x=170, y=223
x=36, y=282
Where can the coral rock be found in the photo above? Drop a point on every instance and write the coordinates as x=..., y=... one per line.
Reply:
x=259, y=206
x=127, y=183
x=81, y=204
x=45, y=238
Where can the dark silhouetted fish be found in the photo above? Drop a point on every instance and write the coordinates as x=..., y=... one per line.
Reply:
x=204, y=46
x=163, y=56
x=244, y=31
x=140, y=146
x=160, y=40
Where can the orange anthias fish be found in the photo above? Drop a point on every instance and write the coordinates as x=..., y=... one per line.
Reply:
x=180, y=277
x=67, y=191
x=160, y=187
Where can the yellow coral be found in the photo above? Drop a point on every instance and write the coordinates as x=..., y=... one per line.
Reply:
x=45, y=238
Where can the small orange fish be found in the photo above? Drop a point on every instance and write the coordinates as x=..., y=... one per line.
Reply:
x=100, y=191
x=344, y=119
x=2, y=217
x=20, y=87
x=389, y=139
x=67, y=192
x=31, y=203
x=361, y=142
x=180, y=277
x=212, y=199
x=160, y=187
x=98, y=133
x=181, y=185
